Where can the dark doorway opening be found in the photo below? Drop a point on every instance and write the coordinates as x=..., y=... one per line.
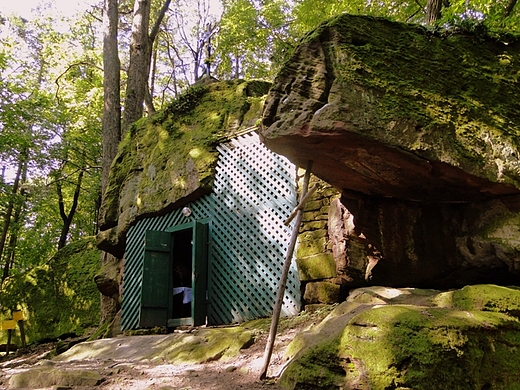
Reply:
x=182, y=273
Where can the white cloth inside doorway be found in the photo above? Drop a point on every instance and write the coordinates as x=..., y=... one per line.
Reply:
x=186, y=298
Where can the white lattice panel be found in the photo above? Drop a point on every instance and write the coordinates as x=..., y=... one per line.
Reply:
x=254, y=192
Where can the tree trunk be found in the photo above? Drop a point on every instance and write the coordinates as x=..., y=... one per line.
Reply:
x=67, y=218
x=111, y=122
x=15, y=230
x=137, y=84
x=111, y=88
x=509, y=8
x=22, y=166
x=140, y=58
x=433, y=11
x=138, y=67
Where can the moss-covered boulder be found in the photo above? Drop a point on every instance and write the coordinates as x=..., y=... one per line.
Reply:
x=419, y=131
x=384, y=338
x=168, y=159
x=57, y=298
x=199, y=346
x=47, y=377
x=384, y=108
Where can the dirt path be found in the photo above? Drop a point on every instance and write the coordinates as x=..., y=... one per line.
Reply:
x=239, y=372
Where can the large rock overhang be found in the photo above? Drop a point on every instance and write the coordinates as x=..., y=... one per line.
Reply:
x=394, y=110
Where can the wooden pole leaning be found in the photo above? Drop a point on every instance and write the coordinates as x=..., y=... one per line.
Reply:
x=285, y=272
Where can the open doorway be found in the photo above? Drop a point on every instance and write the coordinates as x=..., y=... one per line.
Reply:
x=182, y=270
x=174, y=278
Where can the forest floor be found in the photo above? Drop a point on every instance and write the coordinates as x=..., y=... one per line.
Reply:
x=239, y=372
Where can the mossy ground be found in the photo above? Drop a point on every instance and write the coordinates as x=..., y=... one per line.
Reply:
x=57, y=298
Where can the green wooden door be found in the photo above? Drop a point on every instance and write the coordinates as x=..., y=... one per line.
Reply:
x=200, y=273
x=155, y=294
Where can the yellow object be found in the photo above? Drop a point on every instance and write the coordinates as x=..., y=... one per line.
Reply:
x=18, y=315
x=8, y=324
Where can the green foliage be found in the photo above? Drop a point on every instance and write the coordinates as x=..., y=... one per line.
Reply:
x=50, y=106
x=58, y=297
x=251, y=37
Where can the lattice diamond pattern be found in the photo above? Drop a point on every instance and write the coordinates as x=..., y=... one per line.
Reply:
x=254, y=192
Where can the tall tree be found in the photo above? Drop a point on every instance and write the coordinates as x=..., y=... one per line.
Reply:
x=11, y=207
x=43, y=113
x=111, y=123
x=140, y=58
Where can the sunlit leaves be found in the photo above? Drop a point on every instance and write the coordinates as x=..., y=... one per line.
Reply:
x=50, y=107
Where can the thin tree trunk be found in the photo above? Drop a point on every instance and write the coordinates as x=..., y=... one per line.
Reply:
x=67, y=218
x=9, y=213
x=15, y=223
x=433, y=11
x=148, y=99
x=140, y=58
x=13, y=236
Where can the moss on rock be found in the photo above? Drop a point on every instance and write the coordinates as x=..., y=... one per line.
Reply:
x=320, y=266
x=377, y=99
x=208, y=345
x=45, y=377
x=408, y=338
x=311, y=243
x=321, y=292
x=200, y=346
x=169, y=158
x=485, y=297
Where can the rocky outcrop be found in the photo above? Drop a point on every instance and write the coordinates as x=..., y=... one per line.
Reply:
x=168, y=160
x=386, y=338
x=418, y=130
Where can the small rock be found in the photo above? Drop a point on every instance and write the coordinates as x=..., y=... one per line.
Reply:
x=46, y=363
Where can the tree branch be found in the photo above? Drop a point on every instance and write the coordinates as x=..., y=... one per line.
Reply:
x=421, y=8
x=57, y=81
x=160, y=17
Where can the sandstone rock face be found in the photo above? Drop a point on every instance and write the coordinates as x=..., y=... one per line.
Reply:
x=419, y=132
x=387, y=338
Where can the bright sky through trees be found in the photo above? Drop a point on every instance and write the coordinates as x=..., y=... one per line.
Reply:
x=24, y=7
